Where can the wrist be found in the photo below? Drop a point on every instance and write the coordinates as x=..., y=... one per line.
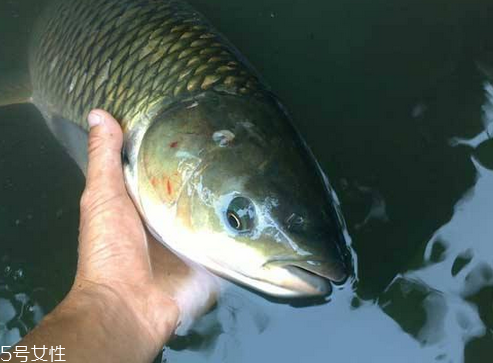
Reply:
x=136, y=327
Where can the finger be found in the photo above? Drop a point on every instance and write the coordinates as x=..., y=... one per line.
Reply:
x=104, y=172
x=111, y=232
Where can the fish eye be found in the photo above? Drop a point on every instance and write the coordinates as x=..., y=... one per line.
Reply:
x=234, y=221
x=240, y=215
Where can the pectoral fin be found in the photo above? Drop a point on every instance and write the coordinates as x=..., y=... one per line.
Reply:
x=15, y=87
x=72, y=137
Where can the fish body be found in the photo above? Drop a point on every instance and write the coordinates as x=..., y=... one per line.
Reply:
x=211, y=158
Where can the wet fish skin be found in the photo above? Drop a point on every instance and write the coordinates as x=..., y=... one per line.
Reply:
x=129, y=57
x=202, y=132
x=265, y=163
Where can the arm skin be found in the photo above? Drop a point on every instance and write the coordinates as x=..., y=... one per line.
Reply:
x=122, y=305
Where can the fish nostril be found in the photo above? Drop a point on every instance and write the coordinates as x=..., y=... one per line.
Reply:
x=294, y=221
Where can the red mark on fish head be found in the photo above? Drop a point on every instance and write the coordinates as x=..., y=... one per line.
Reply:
x=155, y=182
x=173, y=144
x=168, y=186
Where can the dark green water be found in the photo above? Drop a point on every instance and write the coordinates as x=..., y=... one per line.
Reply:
x=378, y=89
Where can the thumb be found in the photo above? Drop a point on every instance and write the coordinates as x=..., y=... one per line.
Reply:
x=104, y=171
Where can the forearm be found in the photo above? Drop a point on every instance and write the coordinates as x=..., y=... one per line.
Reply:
x=91, y=329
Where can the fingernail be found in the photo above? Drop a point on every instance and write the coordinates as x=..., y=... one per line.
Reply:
x=94, y=119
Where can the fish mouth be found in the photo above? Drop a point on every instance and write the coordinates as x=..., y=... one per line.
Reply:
x=307, y=283
x=308, y=278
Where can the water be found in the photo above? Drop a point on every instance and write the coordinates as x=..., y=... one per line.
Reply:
x=379, y=90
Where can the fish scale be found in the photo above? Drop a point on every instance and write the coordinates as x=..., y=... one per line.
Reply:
x=128, y=57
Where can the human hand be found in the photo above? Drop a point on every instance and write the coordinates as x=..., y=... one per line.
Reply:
x=119, y=263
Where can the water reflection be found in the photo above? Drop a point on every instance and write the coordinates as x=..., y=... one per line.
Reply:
x=463, y=264
x=487, y=119
x=463, y=269
x=305, y=335
x=19, y=308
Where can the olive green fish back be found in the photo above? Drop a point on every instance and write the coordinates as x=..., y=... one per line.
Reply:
x=128, y=56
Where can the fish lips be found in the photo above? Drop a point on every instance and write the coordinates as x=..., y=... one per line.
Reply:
x=308, y=278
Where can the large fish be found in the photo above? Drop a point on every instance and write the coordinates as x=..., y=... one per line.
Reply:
x=211, y=159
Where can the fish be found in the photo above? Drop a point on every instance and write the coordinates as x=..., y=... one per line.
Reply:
x=211, y=157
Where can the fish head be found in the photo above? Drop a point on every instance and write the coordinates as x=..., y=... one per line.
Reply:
x=243, y=196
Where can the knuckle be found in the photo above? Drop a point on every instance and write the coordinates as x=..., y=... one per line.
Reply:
x=93, y=202
x=95, y=144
